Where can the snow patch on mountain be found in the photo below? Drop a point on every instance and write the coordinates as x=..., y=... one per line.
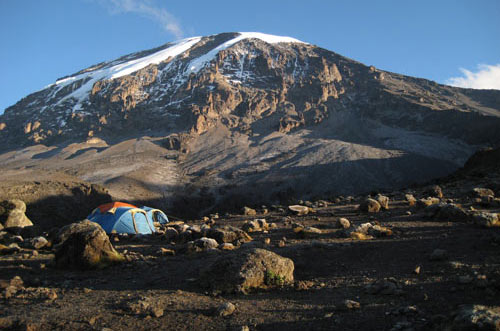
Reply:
x=200, y=62
x=119, y=70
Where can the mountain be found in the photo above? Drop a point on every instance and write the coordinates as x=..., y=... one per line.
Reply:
x=241, y=118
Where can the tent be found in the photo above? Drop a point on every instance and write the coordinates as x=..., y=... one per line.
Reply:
x=155, y=215
x=122, y=218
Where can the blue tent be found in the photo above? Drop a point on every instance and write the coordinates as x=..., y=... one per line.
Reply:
x=122, y=218
x=155, y=215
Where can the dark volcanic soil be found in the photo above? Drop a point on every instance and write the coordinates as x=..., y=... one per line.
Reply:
x=328, y=270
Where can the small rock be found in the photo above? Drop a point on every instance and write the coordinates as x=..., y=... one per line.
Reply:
x=51, y=295
x=11, y=249
x=157, y=312
x=227, y=247
x=411, y=199
x=380, y=231
x=166, y=251
x=249, y=211
x=39, y=242
x=226, y=309
x=255, y=225
x=228, y=234
x=308, y=232
x=417, y=270
x=203, y=243
x=383, y=201
x=10, y=291
x=17, y=282
x=439, y=255
x=435, y=191
x=370, y=205
x=281, y=243
x=422, y=203
x=267, y=241
x=343, y=223
x=300, y=210
x=482, y=192
x=351, y=304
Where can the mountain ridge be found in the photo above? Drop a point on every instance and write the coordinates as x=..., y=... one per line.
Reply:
x=250, y=118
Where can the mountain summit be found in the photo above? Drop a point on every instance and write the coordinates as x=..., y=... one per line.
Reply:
x=245, y=114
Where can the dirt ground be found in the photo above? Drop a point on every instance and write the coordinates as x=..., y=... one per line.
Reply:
x=328, y=270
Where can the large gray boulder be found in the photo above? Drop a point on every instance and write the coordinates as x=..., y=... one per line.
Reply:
x=245, y=269
x=12, y=214
x=85, y=245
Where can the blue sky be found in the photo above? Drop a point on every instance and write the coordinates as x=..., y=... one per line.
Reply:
x=448, y=41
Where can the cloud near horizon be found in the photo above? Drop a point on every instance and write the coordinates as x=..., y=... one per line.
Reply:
x=149, y=10
x=486, y=77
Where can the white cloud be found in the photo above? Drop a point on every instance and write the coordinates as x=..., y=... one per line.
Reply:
x=486, y=77
x=147, y=9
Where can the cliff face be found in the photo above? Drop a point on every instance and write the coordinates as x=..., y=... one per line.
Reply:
x=236, y=109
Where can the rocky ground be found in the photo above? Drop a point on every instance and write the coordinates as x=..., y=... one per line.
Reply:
x=412, y=267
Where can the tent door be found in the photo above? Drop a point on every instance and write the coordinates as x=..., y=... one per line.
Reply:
x=141, y=223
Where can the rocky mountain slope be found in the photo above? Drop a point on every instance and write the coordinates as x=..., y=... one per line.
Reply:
x=244, y=118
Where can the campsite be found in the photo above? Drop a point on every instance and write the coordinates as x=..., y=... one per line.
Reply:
x=409, y=263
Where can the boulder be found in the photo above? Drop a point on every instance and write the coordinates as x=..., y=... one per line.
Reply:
x=343, y=223
x=434, y=191
x=11, y=249
x=307, y=232
x=12, y=214
x=422, y=203
x=243, y=270
x=228, y=234
x=486, y=219
x=368, y=231
x=475, y=317
x=370, y=205
x=359, y=236
x=249, y=211
x=447, y=212
x=411, y=199
x=383, y=201
x=85, y=245
x=299, y=209
x=379, y=231
x=201, y=244
x=256, y=225
x=226, y=309
x=171, y=234
x=39, y=242
x=480, y=192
